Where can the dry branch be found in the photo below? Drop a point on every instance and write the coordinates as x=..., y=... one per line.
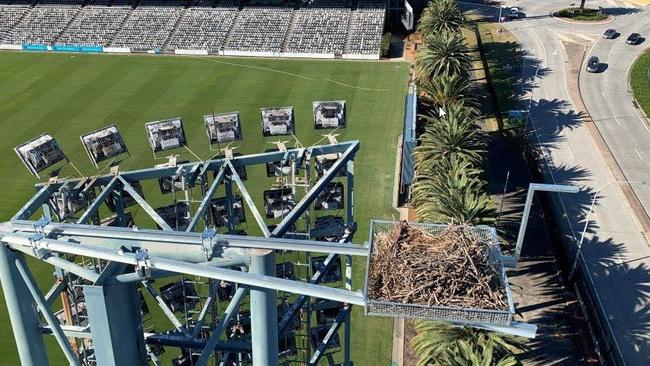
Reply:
x=452, y=268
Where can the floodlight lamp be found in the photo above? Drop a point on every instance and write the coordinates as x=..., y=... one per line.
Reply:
x=40, y=153
x=223, y=127
x=103, y=143
x=278, y=121
x=165, y=134
x=329, y=114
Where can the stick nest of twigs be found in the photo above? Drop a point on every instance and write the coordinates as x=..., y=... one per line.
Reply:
x=452, y=268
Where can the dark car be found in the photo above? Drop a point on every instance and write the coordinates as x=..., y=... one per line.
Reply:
x=634, y=39
x=593, y=65
x=610, y=34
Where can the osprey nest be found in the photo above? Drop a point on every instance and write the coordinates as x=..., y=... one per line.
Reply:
x=451, y=268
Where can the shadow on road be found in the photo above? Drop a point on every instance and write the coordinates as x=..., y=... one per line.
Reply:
x=616, y=11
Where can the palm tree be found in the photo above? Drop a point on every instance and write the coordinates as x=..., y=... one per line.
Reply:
x=440, y=16
x=435, y=341
x=452, y=191
x=446, y=89
x=443, y=54
x=454, y=134
x=465, y=355
x=441, y=179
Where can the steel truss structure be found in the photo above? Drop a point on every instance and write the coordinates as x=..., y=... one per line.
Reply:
x=108, y=264
x=110, y=267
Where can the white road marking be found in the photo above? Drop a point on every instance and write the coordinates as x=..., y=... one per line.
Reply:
x=610, y=52
x=573, y=157
x=618, y=122
x=543, y=48
x=584, y=36
x=555, y=52
x=565, y=38
x=637, y=154
x=602, y=92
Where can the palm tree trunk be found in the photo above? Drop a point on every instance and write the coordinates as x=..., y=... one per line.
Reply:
x=582, y=4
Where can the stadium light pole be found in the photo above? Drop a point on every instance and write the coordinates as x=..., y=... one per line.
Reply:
x=501, y=7
x=558, y=188
x=588, y=218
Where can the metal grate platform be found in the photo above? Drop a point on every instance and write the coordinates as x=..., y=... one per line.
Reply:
x=446, y=313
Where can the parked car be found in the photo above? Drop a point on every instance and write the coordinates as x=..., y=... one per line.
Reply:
x=610, y=34
x=634, y=39
x=513, y=13
x=593, y=64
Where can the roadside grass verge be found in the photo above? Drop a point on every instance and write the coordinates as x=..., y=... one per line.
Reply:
x=640, y=81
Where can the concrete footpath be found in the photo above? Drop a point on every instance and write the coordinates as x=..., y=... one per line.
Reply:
x=540, y=296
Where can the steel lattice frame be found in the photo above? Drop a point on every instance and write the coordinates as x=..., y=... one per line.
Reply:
x=117, y=334
x=122, y=258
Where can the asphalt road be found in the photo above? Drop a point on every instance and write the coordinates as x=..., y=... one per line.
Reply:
x=615, y=251
x=609, y=102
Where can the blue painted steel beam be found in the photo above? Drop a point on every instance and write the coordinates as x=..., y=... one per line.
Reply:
x=329, y=336
x=211, y=165
x=74, y=331
x=47, y=314
x=313, y=193
x=181, y=341
x=147, y=208
x=22, y=310
x=142, y=236
x=119, y=206
x=54, y=292
x=164, y=307
x=245, y=278
x=229, y=203
x=189, y=251
x=205, y=203
x=221, y=326
x=112, y=269
x=59, y=263
x=301, y=300
x=34, y=203
x=350, y=192
x=115, y=324
x=249, y=201
x=263, y=308
x=108, y=189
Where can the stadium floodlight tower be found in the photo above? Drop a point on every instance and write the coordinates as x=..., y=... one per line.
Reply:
x=256, y=308
x=102, y=272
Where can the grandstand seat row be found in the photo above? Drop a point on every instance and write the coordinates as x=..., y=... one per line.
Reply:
x=317, y=28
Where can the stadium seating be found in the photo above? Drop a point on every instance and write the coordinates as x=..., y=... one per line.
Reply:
x=326, y=27
x=203, y=29
x=94, y=26
x=41, y=25
x=260, y=30
x=10, y=15
x=147, y=27
x=365, y=33
x=319, y=30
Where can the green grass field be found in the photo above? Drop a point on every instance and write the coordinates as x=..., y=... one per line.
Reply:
x=640, y=81
x=67, y=95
